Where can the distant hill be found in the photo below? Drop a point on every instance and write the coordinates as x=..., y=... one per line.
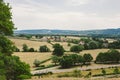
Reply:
x=70, y=32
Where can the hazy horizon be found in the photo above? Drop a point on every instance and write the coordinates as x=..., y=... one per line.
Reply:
x=65, y=14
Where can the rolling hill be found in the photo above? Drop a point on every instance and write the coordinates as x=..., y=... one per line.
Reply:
x=70, y=32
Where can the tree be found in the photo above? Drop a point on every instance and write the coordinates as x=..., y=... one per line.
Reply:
x=10, y=66
x=75, y=58
x=66, y=61
x=93, y=45
x=55, y=59
x=16, y=68
x=76, y=48
x=87, y=58
x=6, y=24
x=25, y=48
x=111, y=56
x=58, y=50
x=6, y=46
x=44, y=48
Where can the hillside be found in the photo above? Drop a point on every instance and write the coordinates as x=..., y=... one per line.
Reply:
x=70, y=32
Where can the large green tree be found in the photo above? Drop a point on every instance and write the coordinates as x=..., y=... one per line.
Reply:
x=58, y=50
x=11, y=68
x=76, y=48
x=6, y=24
x=87, y=58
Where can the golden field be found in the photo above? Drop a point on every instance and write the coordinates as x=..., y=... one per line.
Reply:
x=34, y=44
x=29, y=57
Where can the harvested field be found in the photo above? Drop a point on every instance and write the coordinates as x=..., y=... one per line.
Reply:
x=29, y=57
x=35, y=44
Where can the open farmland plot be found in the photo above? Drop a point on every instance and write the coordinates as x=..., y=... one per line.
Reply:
x=35, y=44
x=29, y=57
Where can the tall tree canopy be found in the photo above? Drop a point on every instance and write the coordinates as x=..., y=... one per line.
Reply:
x=11, y=68
x=6, y=24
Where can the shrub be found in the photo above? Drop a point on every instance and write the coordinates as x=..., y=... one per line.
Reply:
x=76, y=73
x=36, y=63
x=44, y=48
x=22, y=77
x=25, y=48
x=31, y=50
x=16, y=49
x=69, y=44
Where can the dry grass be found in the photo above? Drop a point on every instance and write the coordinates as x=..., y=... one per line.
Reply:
x=35, y=44
x=36, y=78
x=94, y=53
x=29, y=57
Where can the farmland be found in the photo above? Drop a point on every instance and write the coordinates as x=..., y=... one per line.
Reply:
x=30, y=57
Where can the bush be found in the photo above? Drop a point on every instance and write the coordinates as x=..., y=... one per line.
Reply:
x=25, y=48
x=48, y=66
x=31, y=50
x=16, y=49
x=64, y=75
x=36, y=63
x=22, y=77
x=44, y=48
x=76, y=73
x=69, y=44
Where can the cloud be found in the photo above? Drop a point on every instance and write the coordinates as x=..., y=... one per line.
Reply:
x=65, y=14
x=77, y=2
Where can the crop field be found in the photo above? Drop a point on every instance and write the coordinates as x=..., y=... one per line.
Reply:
x=34, y=44
x=29, y=57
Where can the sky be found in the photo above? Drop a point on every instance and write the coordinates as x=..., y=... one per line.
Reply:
x=65, y=14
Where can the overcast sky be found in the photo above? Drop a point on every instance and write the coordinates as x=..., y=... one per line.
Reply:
x=66, y=14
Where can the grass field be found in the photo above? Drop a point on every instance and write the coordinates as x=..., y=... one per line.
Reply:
x=29, y=57
x=34, y=44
